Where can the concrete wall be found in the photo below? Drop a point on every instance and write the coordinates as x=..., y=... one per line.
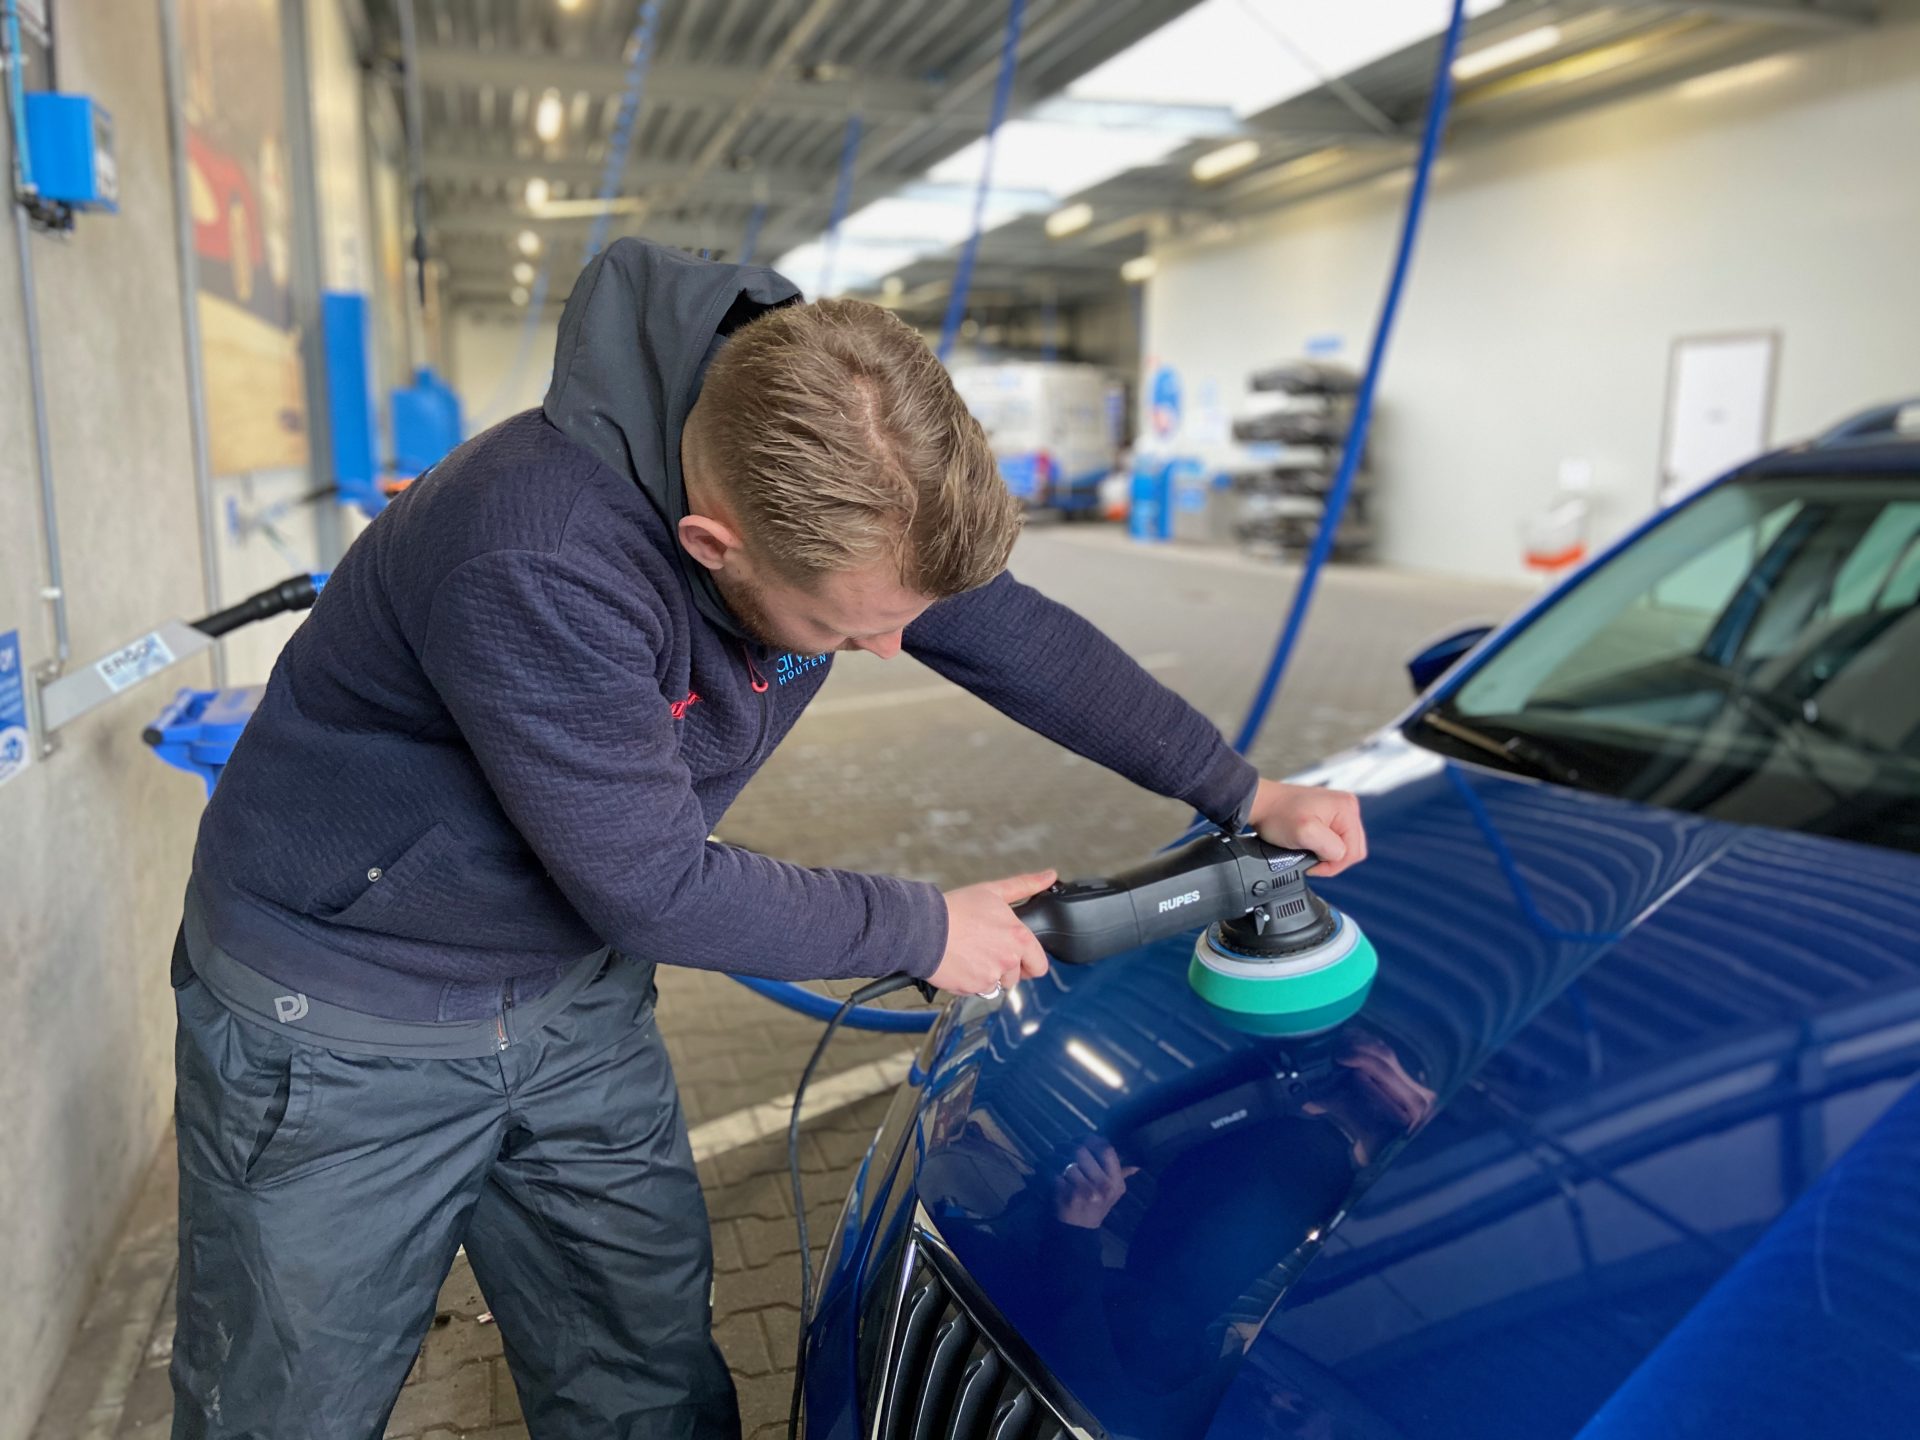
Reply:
x=94, y=841
x=483, y=345
x=1556, y=269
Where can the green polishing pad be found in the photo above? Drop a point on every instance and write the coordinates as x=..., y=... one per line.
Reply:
x=1295, y=995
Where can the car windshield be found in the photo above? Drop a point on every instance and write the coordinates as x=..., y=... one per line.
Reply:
x=1754, y=657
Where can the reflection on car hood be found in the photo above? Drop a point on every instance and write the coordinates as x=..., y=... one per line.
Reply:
x=1557, y=1120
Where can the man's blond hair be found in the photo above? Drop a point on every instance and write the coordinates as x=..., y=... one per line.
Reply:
x=840, y=440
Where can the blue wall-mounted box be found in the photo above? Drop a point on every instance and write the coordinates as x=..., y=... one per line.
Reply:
x=70, y=140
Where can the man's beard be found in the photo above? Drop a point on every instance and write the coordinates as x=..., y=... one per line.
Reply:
x=749, y=608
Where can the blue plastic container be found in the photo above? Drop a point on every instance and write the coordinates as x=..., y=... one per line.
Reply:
x=198, y=730
x=1150, y=515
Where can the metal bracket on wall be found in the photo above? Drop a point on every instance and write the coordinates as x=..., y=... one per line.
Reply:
x=45, y=742
x=59, y=699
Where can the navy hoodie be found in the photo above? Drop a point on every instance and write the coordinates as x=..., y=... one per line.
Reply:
x=505, y=733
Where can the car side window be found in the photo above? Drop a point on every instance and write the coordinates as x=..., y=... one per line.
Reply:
x=1883, y=572
x=1673, y=617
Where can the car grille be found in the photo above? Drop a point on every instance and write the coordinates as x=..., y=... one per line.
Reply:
x=948, y=1381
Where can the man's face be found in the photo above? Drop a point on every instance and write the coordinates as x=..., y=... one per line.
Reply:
x=861, y=609
x=854, y=610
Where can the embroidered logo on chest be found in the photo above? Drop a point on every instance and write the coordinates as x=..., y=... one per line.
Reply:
x=792, y=667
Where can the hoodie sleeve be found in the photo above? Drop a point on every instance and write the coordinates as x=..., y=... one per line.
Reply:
x=1036, y=661
x=549, y=673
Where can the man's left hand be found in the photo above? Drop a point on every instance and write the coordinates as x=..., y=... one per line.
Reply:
x=1305, y=817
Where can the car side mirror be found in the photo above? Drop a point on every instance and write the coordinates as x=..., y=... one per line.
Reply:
x=1439, y=656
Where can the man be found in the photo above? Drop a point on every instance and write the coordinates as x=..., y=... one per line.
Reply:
x=472, y=814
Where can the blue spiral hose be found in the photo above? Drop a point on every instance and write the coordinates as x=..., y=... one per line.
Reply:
x=1437, y=109
x=816, y=1006
x=1002, y=96
x=640, y=42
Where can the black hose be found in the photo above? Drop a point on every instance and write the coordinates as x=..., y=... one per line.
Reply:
x=296, y=593
x=865, y=995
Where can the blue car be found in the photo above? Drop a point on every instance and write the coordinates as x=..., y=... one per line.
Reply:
x=1625, y=1140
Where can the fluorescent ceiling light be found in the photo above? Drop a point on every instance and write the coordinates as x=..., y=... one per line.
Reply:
x=1503, y=53
x=590, y=207
x=1140, y=268
x=1069, y=220
x=893, y=287
x=1226, y=160
x=523, y=272
x=548, y=116
x=569, y=4
x=1297, y=169
x=520, y=296
x=1250, y=55
x=529, y=243
x=1095, y=1064
x=1738, y=77
x=538, y=192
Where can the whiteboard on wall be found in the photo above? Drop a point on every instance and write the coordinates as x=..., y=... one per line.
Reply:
x=1719, y=407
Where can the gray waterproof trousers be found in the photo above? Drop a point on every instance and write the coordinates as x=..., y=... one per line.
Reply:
x=323, y=1196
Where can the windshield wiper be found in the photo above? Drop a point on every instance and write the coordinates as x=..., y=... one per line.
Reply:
x=1516, y=751
x=1778, y=717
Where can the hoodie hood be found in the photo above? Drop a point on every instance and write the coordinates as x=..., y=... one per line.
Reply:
x=635, y=339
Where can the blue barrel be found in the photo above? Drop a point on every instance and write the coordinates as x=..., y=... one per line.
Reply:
x=1150, y=515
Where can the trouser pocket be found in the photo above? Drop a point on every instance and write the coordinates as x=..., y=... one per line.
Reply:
x=245, y=1096
x=322, y=1198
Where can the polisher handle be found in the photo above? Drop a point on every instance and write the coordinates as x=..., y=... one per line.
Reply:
x=1217, y=877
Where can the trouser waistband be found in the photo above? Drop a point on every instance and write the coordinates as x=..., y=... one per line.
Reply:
x=254, y=997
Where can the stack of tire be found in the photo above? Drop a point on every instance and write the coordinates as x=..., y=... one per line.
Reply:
x=1294, y=452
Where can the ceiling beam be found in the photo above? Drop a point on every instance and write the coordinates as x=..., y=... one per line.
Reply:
x=1796, y=14
x=459, y=242
x=446, y=165
x=680, y=83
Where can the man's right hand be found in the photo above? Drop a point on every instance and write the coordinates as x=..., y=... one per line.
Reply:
x=987, y=946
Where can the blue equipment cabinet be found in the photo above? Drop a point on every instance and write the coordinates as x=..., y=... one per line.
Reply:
x=70, y=141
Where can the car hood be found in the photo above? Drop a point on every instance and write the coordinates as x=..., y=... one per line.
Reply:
x=1285, y=1233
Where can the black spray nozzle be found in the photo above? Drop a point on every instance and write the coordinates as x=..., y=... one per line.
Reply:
x=297, y=593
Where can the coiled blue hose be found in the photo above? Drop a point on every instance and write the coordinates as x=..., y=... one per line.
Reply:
x=1437, y=109
x=816, y=1006
x=1002, y=96
x=842, y=199
x=1439, y=105
x=640, y=43
x=797, y=997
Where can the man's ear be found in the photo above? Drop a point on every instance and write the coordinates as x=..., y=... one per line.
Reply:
x=708, y=540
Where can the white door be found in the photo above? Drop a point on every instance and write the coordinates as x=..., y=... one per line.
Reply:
x=1719, y=408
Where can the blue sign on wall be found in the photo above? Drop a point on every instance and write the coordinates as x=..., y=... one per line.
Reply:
x=16, y=746
x=1165, y=401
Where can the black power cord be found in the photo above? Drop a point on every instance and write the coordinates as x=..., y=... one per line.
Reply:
x=866, y=994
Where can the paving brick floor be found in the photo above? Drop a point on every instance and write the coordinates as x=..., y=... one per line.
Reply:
x=891, y=770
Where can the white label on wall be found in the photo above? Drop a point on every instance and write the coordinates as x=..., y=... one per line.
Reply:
x=131, y=664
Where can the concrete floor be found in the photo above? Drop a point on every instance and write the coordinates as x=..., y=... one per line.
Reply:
x=891, y=770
